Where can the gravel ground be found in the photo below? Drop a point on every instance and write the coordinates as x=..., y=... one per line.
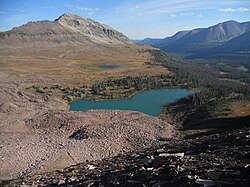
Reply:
x=218, y=159
x=39, y=134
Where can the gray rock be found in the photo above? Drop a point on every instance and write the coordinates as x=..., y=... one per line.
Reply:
x=236, y=173
x=90, y=167
x=148, y=159
x=73, y=178
x=62, y=181
x=171, y=155
x=214, y=175
x=204, y=182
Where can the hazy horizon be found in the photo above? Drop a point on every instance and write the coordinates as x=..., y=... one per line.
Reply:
x=137, y=19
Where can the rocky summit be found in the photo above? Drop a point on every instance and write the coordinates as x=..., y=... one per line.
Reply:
x=68, y=29
x=94, y=30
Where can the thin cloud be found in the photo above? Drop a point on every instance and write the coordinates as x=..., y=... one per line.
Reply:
x=16, y=10
x=90, y=11
x=185, y=14
x=200, y=15
x=68, y=5
x=137, y=7
x=48, y=7
x=158, y=7
x=2, y=12
x=234, y=9
x=172, y=15
x=87, y=9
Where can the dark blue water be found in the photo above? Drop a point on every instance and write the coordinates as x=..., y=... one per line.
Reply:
x=110, y=66
x=150, y=102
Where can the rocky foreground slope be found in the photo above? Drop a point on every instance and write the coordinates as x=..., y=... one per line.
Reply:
x=219, y=159
x=67, y=30
x=38, y=133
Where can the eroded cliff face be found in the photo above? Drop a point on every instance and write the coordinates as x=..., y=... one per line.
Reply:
x=68, y=29
x=94, y=30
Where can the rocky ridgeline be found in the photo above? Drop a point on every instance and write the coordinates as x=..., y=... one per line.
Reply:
x=67, y=30
x=219, y=159
x=96, y=31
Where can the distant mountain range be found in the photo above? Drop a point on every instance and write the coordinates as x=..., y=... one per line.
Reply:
x=228, y=37
x=68, y=29
x=222, y=40
x=238, y=47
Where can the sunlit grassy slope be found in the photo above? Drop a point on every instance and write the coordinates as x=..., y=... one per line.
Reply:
x=79, y=64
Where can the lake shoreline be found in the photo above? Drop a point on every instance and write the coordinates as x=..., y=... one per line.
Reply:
x=158, y=99
x=40, y=125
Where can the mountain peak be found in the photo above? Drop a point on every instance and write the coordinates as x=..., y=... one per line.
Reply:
x=75, y=22
x=231, y=21
x=200, y=40
x=69, y=16
x=91, y=28
x=68, y=29
x=228, y=23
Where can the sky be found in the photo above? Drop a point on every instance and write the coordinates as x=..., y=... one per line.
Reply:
x=137, y=19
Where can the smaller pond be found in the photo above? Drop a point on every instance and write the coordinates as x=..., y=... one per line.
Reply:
x=150, y=102
x=110, y=66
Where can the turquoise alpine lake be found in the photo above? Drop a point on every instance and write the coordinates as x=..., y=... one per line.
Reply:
x=150, y=102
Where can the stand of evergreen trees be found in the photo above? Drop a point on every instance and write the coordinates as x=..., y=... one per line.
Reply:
x=214, y=90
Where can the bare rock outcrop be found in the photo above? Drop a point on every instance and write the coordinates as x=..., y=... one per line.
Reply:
x=94, y=30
